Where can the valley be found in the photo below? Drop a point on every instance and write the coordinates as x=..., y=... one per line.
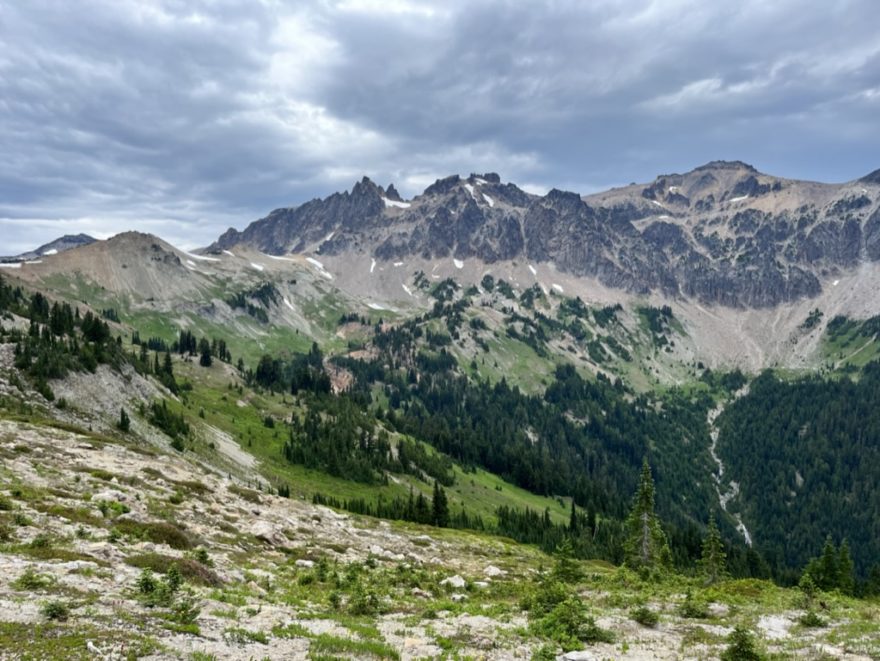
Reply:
x=375, y=427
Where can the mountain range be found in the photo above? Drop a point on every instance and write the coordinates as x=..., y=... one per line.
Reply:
x=722, y=233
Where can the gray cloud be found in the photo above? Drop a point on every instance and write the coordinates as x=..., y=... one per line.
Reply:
x=182, y=118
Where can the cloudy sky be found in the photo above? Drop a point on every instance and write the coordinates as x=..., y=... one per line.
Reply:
x=183, y=117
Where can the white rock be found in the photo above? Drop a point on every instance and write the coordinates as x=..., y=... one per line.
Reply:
x=266, y=532
x=110, y=496
x=577, y=655
x=481, y=584
x=306, y=564
x=422, y=594
x=454, y=581
x=718, y=610
x=492, y=571
x=775, y=627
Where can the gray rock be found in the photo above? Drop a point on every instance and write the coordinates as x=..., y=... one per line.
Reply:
x=454, y=582
x=266, y=532
x=577, y=655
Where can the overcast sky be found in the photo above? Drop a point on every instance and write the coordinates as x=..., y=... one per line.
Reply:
x=183, y=117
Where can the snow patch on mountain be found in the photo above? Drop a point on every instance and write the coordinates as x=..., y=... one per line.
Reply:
x=201, y=258
x=318, y=265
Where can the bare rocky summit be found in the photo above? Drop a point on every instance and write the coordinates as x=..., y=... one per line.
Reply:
x=723, y=233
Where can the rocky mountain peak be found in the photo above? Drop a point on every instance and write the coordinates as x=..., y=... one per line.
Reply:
x=726, y=165
x=443, y=186
x=54, y=247
x=872, y=178
x=722, y=233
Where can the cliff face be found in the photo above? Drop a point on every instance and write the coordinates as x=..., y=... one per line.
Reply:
x=723, y=233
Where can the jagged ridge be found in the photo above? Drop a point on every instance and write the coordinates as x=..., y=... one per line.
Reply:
x=723, y=233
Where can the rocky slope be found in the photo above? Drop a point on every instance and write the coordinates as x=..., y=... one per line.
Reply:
x=60, y=244
x=723, y=233
x=267, y=577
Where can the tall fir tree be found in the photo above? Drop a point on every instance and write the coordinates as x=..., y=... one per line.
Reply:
x=439, y=506
x=646, y=546
x=845, y=579
x=713, y=561
x=124, y=423
x=828, y=578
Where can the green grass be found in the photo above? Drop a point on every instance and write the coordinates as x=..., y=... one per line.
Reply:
x=31, y=642
x=327, y=644
x=481, y=493
x=849, y=349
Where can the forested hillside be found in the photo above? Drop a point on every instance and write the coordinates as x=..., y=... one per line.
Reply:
x=807, y=456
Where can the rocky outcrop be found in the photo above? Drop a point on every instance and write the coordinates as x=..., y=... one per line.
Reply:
x=723, y=233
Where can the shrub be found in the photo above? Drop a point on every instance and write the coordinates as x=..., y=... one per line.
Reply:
x=363, y=602
x=244, y=636
x=55, y=610
x=741, y=646
x=811, y=620
x=41, y=541
x=570, y=625
x=186, y=609
x=644, y=616
x=158, y=532
x=548, y=594
x=693, y=608
x=31, y=580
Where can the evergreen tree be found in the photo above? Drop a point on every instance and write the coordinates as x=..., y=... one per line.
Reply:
x=741, y=646
x=566, y=569
x=124, y=423
x=422, y=511
x=845, y=579
x=205, y=359
x=828, y=577
x=713, y=561
x=573, y=519
x=872, y=586
x=645, y=547
x=439, y=506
